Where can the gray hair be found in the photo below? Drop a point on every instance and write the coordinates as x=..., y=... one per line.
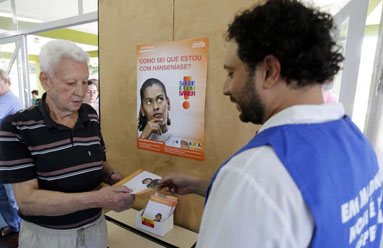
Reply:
x=52, y=52
x=4, y=75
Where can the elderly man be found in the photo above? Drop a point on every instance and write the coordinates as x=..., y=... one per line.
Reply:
x=53, y=154
x=9, y=104
x=309, y=178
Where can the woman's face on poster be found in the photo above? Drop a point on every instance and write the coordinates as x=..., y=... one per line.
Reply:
x=155, y=106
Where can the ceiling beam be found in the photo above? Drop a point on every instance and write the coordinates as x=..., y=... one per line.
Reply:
x=72, y=35
x=372, y=6
x=48, y=26
x=64, y=33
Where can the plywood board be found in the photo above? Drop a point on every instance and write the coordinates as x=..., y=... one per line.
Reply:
x=123, y=25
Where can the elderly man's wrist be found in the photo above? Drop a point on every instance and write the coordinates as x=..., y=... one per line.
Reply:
x=109, y=177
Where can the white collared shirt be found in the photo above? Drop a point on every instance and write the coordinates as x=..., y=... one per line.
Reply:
x=254, y=202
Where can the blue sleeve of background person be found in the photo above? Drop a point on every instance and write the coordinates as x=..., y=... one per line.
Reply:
x=9, y=104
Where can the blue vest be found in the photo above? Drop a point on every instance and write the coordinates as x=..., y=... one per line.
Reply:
x=336, y=170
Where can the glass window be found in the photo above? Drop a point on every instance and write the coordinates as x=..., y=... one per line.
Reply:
x=93, y=68
x=85, y=36
x=46, y=11
x=6, y=52
x=366, y=67
x=29, y=13
x=16, y=81
x=340, y=35
x=330, y=6
x=33, y=76
x=341, y=42
x=90, y=6
x=6, y=22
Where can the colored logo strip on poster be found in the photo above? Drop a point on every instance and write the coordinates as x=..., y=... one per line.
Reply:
x=187, y=89
x=159, y=146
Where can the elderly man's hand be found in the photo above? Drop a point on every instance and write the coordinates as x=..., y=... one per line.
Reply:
x=117, y=198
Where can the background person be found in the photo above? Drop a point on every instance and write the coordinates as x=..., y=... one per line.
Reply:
x=35, y=95
x=9, y=104
x=53, y=154
x=92, y=94
x=328, y=94
x=294, y=184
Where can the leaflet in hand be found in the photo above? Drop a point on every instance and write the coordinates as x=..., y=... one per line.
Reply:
x=141, y=181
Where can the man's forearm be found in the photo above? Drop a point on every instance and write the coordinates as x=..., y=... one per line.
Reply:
x=52, y=203
x=200, y=186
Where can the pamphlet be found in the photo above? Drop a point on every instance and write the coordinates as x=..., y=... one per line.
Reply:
x=160, y=207
x=140, y=182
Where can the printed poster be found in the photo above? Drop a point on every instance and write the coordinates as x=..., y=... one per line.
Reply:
x=171, y=90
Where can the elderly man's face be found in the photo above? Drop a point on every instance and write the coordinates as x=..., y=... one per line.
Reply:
x=68, y=86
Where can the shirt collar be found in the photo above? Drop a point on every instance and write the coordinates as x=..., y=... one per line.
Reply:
x=305, y=114
x=82, y=117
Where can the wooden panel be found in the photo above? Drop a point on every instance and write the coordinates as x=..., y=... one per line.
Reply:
x=123, y=25
x=224, y=132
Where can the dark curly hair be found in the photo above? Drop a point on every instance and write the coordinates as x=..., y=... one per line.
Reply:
x=300, y=37
x=142, y=120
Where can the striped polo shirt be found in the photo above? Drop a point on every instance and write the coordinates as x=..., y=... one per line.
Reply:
x=62, y=159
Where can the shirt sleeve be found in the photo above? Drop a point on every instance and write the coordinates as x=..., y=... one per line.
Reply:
x=255, y=204
x=16, y=162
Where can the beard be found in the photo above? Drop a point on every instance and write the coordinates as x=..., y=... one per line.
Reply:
x=251, y=105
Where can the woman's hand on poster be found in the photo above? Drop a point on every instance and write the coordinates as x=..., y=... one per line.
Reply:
x=152, y=126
